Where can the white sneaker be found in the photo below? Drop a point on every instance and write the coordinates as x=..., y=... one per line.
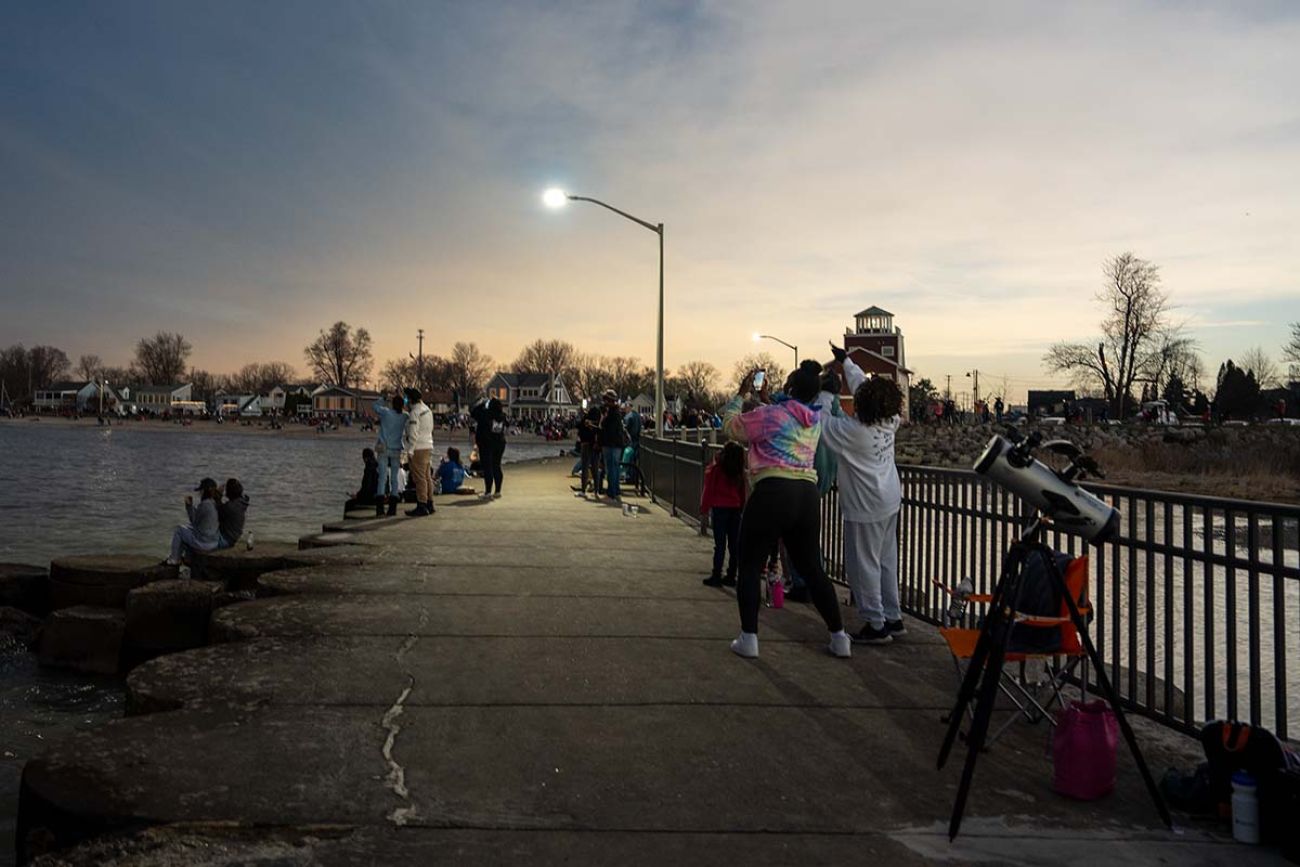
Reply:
x=746, y=645
x=841, y=645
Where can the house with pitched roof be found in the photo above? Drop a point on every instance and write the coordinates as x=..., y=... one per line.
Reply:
x=535, y=396
x=81, y=396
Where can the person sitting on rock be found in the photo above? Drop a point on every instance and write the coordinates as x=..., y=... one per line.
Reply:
x=366, y=494
x=231, y=513
x=203, y=532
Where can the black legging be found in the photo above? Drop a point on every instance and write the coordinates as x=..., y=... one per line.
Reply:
x=789, y=510
x=489, y=456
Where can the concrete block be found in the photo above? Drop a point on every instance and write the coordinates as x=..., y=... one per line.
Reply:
x=169, y=615
x=26, y=587
x=17, y=627
x=102, y=580
x=237, y=568
x=84, y=638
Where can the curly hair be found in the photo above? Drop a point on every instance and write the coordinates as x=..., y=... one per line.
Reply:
x=876, y=400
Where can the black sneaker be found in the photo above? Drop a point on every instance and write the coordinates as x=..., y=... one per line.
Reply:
x=868, y=634
x=418, y=512
x=712, y=581
x=895, y=627
x=729, y=581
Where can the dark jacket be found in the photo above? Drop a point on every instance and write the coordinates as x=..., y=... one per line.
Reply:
x=589, y=425
x=489, y=423
x=612, y=434
x=369, y=483
x=230, y=517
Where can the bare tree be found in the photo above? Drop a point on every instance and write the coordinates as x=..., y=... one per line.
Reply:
x=697, y=379
x=161, y=359
x=340, y=355
x=590, y=377
x=1174, y=353
x=400, y=373
x=1291, y=351
x=47, y=364
x=759, y=361
x=89, y=367
x=260, y=378
x=1135, y=314
x=469, y=370
x=1255, y=360
x=547, y=356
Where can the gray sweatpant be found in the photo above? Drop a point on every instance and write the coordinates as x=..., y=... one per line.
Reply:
x=871, y=560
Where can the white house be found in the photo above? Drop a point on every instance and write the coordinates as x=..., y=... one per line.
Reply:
x=274, y=400
x=160, y=398
x=237, y=404
x=531, y=395
x=80, y=396
x=644, y=403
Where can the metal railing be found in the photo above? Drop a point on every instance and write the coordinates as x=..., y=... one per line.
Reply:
x=1196, y=602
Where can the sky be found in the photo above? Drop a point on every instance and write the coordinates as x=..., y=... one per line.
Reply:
x=247, y=173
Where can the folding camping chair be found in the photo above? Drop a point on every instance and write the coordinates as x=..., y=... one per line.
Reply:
x=1033, y=698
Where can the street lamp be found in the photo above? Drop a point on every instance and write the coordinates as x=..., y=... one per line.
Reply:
x=557, y=198
x=758, y=337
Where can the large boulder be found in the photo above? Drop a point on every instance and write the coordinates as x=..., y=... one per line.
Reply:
x=18, y=628
x=85, y=638
x=26, y=587
x=237, y=568
x=102, y=580
x=167, y=616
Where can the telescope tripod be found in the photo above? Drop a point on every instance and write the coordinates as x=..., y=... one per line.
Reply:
x=982, y=678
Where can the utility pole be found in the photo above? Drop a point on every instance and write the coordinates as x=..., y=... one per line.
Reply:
x=947, y=392
x=975, y=386
x=420, y=364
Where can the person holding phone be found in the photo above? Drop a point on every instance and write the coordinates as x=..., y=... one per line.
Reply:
x=490, y=437
x=783, y=503
x=203, y=532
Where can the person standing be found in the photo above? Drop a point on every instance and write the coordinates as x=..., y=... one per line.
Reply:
x=490, y=437
x=633, y=423
x=417, y=439
x=590, y=452
x=783, y=502
x=870, y=497
x=612, y=440
x=203, y=532
x=388, y=449
x=721, y=501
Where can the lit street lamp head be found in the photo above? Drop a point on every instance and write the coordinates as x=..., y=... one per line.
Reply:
x=757, y=337
x=555, y=198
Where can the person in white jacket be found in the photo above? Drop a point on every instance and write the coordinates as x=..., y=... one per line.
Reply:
x=417, y=439
x=869, y=495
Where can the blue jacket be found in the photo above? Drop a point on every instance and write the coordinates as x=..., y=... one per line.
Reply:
x=391, y=425
x=452, y=476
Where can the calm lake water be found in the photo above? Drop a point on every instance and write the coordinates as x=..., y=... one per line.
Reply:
x=83, y=489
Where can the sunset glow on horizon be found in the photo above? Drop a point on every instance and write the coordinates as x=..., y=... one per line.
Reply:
x=249, y=173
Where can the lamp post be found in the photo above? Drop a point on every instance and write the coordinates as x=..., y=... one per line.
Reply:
x=758, y=337
x=557, y=198
x=975, y=385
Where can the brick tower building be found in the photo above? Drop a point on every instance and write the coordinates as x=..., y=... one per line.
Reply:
x=876, y=345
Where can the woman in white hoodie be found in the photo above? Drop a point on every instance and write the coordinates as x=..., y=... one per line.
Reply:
x=870, y=496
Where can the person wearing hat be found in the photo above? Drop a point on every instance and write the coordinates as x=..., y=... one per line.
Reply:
x=203, y=532
x=612, y=440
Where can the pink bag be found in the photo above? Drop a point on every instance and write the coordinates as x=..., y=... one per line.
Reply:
x=1083, y=750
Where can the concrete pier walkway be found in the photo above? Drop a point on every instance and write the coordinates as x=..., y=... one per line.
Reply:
x=540, y=679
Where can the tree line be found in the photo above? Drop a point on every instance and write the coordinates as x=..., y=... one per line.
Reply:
x=1142, y=353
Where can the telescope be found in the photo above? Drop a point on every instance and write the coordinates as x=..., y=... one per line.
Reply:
x=1009, y=461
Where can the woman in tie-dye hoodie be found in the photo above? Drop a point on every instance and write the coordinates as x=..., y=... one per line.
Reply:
x=784, y=503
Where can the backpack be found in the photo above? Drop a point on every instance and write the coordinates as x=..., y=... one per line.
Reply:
x=1232, y=746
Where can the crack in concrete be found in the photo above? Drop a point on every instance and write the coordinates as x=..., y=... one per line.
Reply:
x=395, y=780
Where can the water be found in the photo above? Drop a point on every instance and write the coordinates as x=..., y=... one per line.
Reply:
x=85, y=489
x=81, y=489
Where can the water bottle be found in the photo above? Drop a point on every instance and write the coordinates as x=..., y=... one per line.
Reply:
x=778, y=590
x=248, y=541
x=1245, y=808
x=959, y=597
